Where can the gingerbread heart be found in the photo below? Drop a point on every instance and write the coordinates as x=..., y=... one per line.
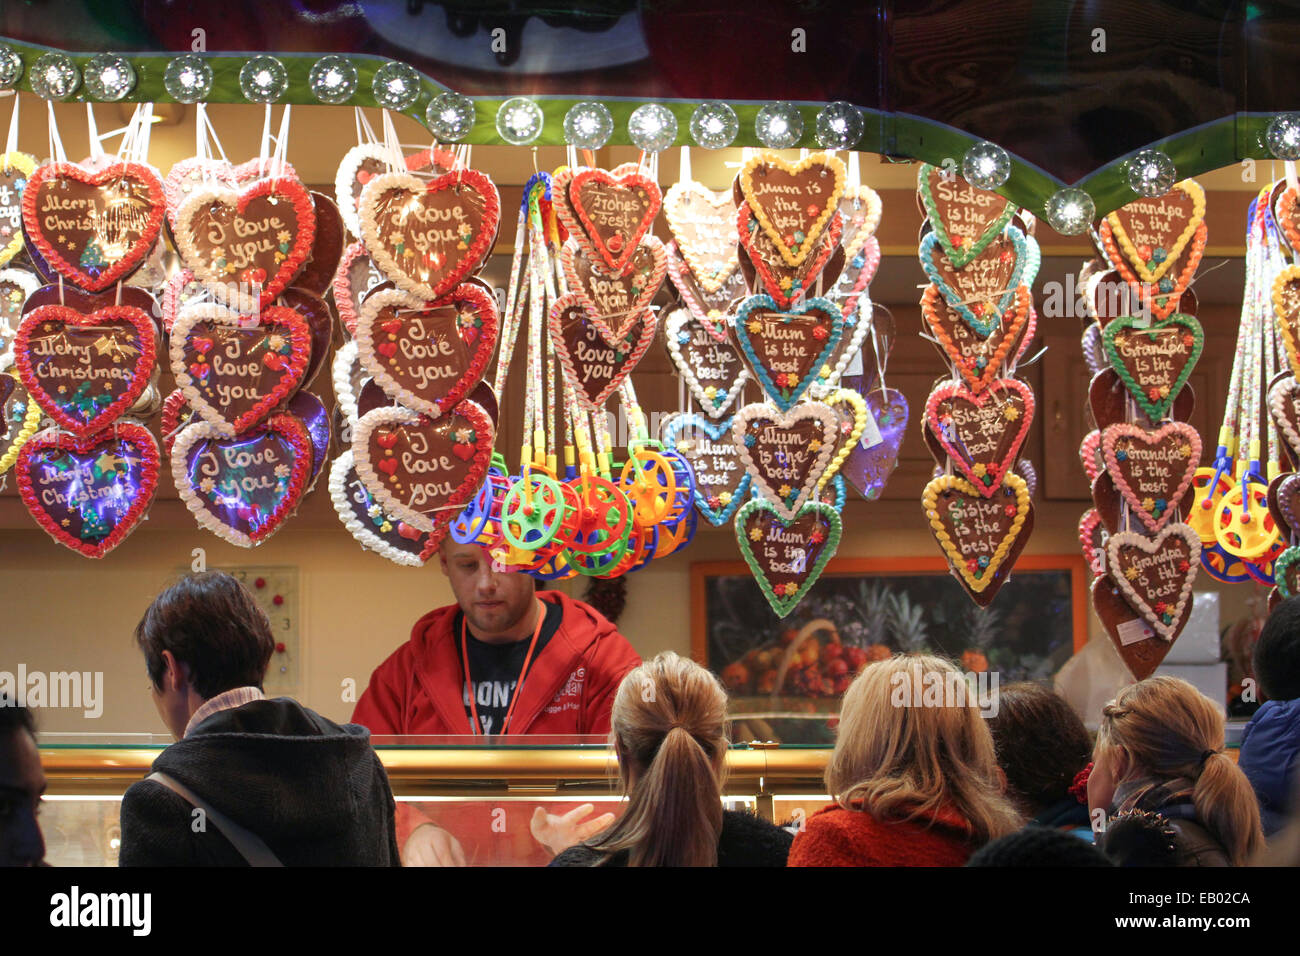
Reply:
x=180, y=291
x=89, y=493
x=247, y=246
x=851, y=410
x=979, y=358
x=354, y=279
x=1090, y=455
x=856, y=327
x=703, y=224
x=85, y=370
x=1286, y=308
x=1147, y=235
x=787, y=555
x=709, y=309
x=1284, y=407
x=260, y=167
x=784, y=283
x=428, y=237
x=860, y=209
x=421, y=470
x=234, y=371
x=1162, y=297
x=721, y=482
x=1288, y=216
x=191, y=174
x=615, y=302
x=1152, y=469
x=1092, y=539
x=981, y=432
x=365, y=161
x=1155, y=574
x=366, y=521
x=1155, y=361
x=984, y=288
x=787, y=349
x=712, y=370
x=243, y=488
x=15, y=287
x=1094, y=356
x=610, y=214
x=15, y=169
x=348, y=377
x=1109, y=402
x=1136, y=641
x=20, y=417
x=793, y=203
x=875, y=455
x=427, y=355
x=851, y=287
x=175, y=416
x=593, y=367
x=964, y=218
x=1286, y=572
x=980, y=536
x=786, y=452
x=93, y=228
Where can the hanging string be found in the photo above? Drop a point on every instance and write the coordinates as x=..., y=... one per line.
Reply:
x=92, y=133
x=11, y=144
x=684, y=172
x=57, y=153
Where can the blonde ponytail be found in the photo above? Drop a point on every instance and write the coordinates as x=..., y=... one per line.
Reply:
x=1227, y=805
x=669, y=730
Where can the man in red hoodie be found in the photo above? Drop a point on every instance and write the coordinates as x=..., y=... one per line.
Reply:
x=505, y=659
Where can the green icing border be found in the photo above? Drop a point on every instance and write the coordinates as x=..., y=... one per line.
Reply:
x=783, y=606
x=959, y=260
x=1156, y=411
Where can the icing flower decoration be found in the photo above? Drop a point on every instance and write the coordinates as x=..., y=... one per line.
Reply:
x=1164, y=391
x=1131, y=573
x=755, y=534
x=1189, y=340
x=753, y=326
x=724, y=498
x=980, y=469
x=1010, y=511
x=1153, y=393
x=820, y=333
x=1161, y=607
x=462, y=435
x=784, y=490
x=815, y=444
x=714, y=501
x=1148, y=504
x=1185, y=449
x=1010, y=413
x=1184, y=567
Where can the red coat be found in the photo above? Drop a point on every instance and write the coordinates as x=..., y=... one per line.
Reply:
x=838, y=837
x=569, y=689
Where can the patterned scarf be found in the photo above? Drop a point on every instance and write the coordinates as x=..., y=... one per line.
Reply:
x=1171, y=799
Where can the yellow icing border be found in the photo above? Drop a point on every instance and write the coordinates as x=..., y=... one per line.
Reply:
x=1289, y=274
x=859, y=405
x=26, y=164
x=809, y=245
x=929, y=501
x=871, y=199
x=30, y=424
x=1193, y=189
x=716, y=281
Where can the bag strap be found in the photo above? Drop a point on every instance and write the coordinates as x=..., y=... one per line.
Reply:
x=250, y=846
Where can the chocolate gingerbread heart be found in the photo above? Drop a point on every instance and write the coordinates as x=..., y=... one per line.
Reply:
x=1155, y=361
x=787, y=556
x=428, y=355
x=15, y=286
x=875, y=456
x=89, y=493
x=1155, y=574
x=1152, y=470
x=195, y=173
x=1286, y=309
x=15, y=168
x=712, y=370
x=1286, y=572
x=785, y=452
x=709, y=309
x=795, y=202
x=981, y=432
x=610, y=214
x=1284, y=502
x=1110, y=402
x=615, y=302
x=703, y=224
x=85, y=370
x=247, y=246
x=366, y=521
x=354, y=279
x=1284, y=407
x=786, y=349
x=762, y=264
x=965, y=219
x=20, y=417
x=860, y=209
x=93, y=228
x=721, y=482
x=421, y=470
x=985, y=288
x=428, y=237
x=979, y=359
x=1148, y=234
x=593, y=367
x=234, y=371
x=365, y=161
x=1138, y=645
x=1092, y=538
x=1164, y=296
x=243, y=488
x=1090, y=454
x=980, y=536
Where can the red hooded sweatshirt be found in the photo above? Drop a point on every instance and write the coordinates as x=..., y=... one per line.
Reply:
x=569, y=689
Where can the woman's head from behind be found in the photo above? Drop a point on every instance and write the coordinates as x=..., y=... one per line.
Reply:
x=911, y=741
x=1164, y=729
x=669, y=732
x=1041, y=745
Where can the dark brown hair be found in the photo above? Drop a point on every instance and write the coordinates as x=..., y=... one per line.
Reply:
x=1041, y=744
x=210, y=622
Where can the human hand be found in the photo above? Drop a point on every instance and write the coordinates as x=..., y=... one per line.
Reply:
x=558, y=832
x=429, y=845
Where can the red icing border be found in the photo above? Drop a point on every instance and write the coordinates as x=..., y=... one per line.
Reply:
x=588, y=234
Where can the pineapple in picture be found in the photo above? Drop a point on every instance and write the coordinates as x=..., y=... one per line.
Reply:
x=907, y=624
x=981, y=629
x=876, y=606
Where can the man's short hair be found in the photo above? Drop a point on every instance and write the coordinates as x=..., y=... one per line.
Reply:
x=212, y=623
x=14, y=717
x=1277, y=652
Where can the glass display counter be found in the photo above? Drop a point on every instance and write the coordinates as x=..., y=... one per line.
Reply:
x=483, y=791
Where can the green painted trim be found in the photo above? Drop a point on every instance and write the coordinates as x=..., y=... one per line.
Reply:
x=900, y=136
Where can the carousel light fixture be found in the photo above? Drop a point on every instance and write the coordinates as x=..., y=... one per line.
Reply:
x=1150, y=173
x=333, y=79
x=1283, y=136
x=986, y=166
x=263, y=79
x=11, y=67
x=519, y=121
x=778, y=125
x=188, y=78
x=652, y=127
x=714, y=125
x=109, y=77
x=588, y=125
x=396, y=86
x=450, y=116
x=1070, y=211
x=54, y=76
x=839, y=126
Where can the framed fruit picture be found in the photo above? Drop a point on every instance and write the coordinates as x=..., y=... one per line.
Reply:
x=785, y=676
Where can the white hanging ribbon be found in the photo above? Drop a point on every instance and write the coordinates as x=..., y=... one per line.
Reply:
x=855, y=171
x=57, y=153
x=365, y=133
x=11, y=144
x=684, y=175
x=281, y=154
x=1291, y=181
x=392, y=145
x=92, y=133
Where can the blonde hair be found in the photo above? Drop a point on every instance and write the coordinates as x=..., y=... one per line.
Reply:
x=1171, y=730
x=669, y=731
x=905, y=762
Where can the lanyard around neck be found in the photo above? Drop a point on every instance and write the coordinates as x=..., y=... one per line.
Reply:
x=519, y=683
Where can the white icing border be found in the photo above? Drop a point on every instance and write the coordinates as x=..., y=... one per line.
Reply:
x=341, y=371
x=672, y=325
x=673, y=197
x=343, y=178
x=364, y=536
x=817, y=411
x=1276, y=403
x=233, y=294
x=361, y=429
x=871, y=199
x=186, y=438
x=1151, y=545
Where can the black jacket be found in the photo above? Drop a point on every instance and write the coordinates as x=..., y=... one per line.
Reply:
x=313, y=790
x=745, y=840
